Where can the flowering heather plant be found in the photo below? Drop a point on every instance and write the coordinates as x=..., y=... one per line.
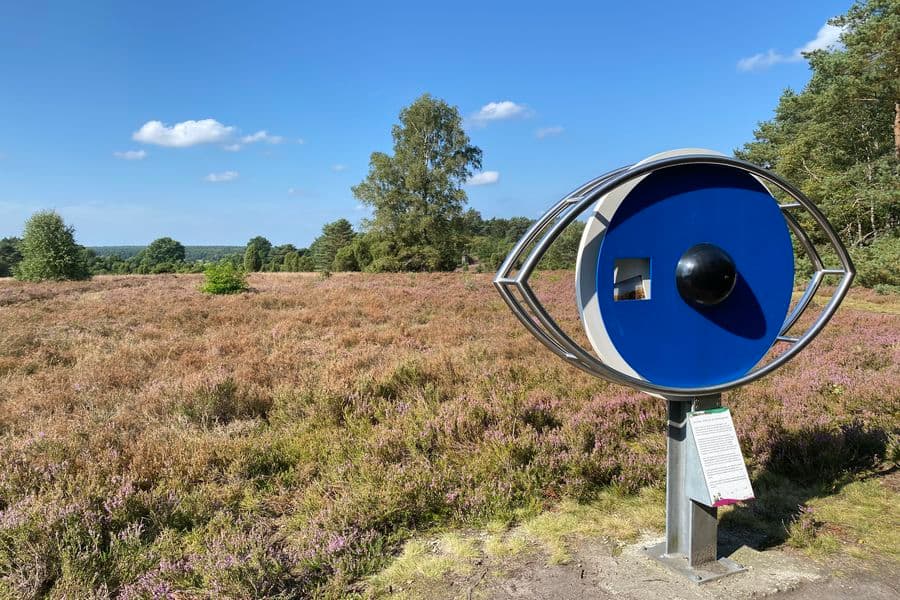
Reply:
x=156, y=442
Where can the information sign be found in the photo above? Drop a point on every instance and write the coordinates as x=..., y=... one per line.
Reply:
x=721, y=462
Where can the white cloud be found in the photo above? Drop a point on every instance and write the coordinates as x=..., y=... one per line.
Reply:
x=302, y=192
x=232, y=148
x=184, y=134
x=221, y=177
x=484, y=178
x=761, y=60
x=545, y=132
x=338, y=168
x=301, y=141
x=262, y=136
x=131, y=155
x=827, y=36
x=498, y=111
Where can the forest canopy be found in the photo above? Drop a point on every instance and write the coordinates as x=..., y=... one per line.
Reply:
x=838, y=139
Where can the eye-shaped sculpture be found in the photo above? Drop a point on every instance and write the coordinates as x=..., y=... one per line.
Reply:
x=684, y=276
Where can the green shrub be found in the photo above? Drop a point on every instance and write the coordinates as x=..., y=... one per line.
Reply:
x=883, y=289
x=345, y=259
x=49, y=250
x=224, y=278
x=878, y=262
x=163, y=267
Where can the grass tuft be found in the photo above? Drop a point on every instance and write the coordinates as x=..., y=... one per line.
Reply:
x=421, y=562
x=863, y=518
x=613, y=515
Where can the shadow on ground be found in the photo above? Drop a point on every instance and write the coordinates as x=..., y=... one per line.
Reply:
x=802, y=465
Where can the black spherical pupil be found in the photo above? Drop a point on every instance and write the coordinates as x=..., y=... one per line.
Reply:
x=705, y=275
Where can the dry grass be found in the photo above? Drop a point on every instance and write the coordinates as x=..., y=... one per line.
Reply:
x=157, y=441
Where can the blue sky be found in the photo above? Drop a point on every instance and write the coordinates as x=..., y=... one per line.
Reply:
x=280, y=104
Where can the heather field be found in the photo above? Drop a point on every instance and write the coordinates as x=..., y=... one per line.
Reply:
x=156, y=442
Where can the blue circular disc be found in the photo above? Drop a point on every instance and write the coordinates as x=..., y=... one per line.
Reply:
x=664, y=338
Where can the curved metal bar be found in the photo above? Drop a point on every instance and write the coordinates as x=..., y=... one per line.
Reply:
x=531, y=234
x=811, y=288
x=526, y=320
x=557, y=227
x=580, y=191
x=545, y=231
x=547, y=321
x=551, y=215
x=552, y=336
x=813, y=285
x=807, y=244
x=847, y=273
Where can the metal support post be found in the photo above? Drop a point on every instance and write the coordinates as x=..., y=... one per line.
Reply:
x=691, y=528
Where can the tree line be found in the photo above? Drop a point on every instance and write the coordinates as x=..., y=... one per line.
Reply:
x=838, y=140
x=419, y=220
x=46, y=238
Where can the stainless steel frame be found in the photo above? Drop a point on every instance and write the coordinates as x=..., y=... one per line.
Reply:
x=512, y=278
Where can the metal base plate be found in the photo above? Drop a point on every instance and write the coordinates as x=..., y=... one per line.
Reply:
x=699, y=574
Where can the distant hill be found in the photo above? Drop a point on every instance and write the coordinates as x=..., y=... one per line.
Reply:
x=192, y=253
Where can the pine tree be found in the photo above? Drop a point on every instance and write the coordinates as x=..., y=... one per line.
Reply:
x=838, y=139
x=335, y=235
x=10, y=255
